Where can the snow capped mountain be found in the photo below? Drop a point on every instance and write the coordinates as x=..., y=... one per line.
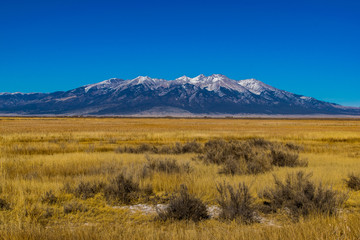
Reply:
x=210, y=83
x=214, y=94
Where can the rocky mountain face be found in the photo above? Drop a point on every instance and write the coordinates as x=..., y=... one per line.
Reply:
x=215, y=94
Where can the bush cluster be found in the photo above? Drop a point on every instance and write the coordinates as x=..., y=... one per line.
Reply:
x=251, y=156
x=121, y=189
x=177, y=148
x=299, y=196
x=166, y=165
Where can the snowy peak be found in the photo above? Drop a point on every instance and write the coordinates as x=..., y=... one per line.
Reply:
x=211, y=83
x=110, y=83
x=142, y=79
x=182, y=80
x=197, y=79
x=147, y=82
x=255, y=86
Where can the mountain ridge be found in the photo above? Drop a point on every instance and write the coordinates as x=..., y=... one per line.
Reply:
x=215, y=94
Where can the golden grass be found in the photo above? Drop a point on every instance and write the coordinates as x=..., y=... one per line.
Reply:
x=42, y=154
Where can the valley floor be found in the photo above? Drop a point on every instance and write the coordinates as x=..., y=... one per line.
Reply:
x=43, y=161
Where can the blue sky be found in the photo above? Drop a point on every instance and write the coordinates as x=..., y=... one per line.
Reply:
x=306, y=47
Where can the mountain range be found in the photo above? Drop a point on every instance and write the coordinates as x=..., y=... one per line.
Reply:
x=201, y=95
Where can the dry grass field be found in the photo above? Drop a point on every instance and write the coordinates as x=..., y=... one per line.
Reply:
x=58, y=177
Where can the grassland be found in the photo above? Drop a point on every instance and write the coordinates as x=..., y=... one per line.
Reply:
x=39, y=155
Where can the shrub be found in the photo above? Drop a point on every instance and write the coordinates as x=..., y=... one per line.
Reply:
x=236, y=203
x=184, y=206
x=282, y=157
x=86, y=190
x=48, y=213
x=164, y=165
x=37, y=213
x=178, y=148
x=191, y=147
x=258, y=162
x=294, y=147
x=73, y=207
x=216, y=151
x=353, y=182
x=49, y=198
x=233, y=166
x=165, y=149
x=4, y=205
x=144, y=147
x=259, y=142
x=124, y=190
x=300, y=197
x=237, y=157
x=252, y=156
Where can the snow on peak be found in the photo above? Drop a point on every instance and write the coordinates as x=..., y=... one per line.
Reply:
x=201, y=79
x=148, y=82
x=141, y=79
x=217, y=78
x=183, y=79
x=197, y=79
x=307, y=98
x=211, y=83
x=255, y=86
x=110, y=83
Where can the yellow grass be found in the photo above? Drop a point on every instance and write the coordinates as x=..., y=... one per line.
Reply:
x=42, y=154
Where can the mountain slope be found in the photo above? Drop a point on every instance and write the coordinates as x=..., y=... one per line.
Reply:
x=215, y=94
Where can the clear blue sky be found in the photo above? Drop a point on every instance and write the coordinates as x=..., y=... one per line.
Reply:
x=307, y=47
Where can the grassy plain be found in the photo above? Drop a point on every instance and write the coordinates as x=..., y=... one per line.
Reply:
x=42, y=154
